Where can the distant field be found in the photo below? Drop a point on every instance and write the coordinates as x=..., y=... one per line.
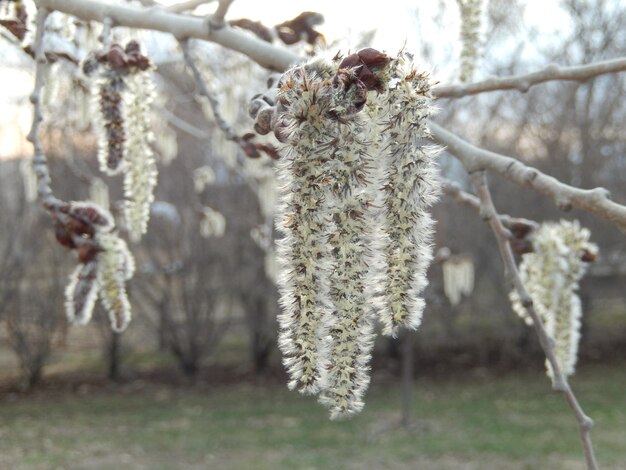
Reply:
x=497, y=423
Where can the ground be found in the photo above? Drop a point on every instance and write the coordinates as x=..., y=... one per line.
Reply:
x=471, y=422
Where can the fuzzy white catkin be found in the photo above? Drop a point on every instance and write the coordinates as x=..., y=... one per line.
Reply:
x=340, y=235
x=140, y=173
x=115, y=267
x=99, y=193
x=202, y=177
x=458, y=279
x=29, y=180
x=470, y=11
x=351, y=328
x=410, y=187
x=104, y=274
x=551, y=274
x=301, y=253
x=81, y=293
x=212, y=223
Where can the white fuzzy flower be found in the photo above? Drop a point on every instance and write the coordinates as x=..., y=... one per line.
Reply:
x=458, y=278
x=140, y=173
x=212, y=223
x=203, y=177
x=99, y=193
x=115, y=267
x=106, y=264
x=301, y=253
x=336, y=157
x=81, y=293
x=551, y=274
x=470, y=37
x=410, y=186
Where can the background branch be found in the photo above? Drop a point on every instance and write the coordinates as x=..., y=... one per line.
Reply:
x=181, y=26
x=523, y=83
x=187, y=6
x=566, y=197
x=489, y=213
x=217, y=19
x=453, y=190
x=204, y=91
x=40, y=162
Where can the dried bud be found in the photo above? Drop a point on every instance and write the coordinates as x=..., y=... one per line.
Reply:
x=589, y=256
x=87, y=252
x=63, y=236
x=249, y=148
x=260, y=30
x=263, y=124
x=365, y=62
x=373, y=58
x=521, y=246
x=269, y=150
x=520, y=229
x=91, y=214
x=115, y=57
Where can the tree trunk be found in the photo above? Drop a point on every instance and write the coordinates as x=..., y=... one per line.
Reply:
x=407, y=379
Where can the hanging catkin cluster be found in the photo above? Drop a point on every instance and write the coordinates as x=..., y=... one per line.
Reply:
x=122, y=94
x=352, y=129
x=458, y=278
x=105, y=263
x=551, y=273
x=470, y=36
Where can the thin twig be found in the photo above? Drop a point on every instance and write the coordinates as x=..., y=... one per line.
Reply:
x=453, y=190
x=187, y=6
x=40, y=162
x=566, y=197
x=217, y=19
x=204, y=91
x=489, y=213
x=523, y=83
x=184, y=126
x=105, y=35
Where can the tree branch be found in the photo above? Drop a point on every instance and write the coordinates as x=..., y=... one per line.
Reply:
x=204, y=91
x=40, y=162
x=566, y=197
x=217, y=19
x=451, y=189
x=489, y=213
x=181, y=26
x=523, y=83
x=187, y=6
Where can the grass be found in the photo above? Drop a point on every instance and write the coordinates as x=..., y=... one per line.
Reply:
x=514, y=422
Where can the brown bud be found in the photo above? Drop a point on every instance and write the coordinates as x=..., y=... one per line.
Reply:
x=350, y=61
x=16, y=27
x=63, y=236
x=263, y=124
x=250, y=150
x=90, y=215
x=373, y=59
x=78, y=227
x=87, y=253
x=520, y=229
x=269, y=150
x=115, y=57
x=588, y=256
x=521, y=246
x=260, y=30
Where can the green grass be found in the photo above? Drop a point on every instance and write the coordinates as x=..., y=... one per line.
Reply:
x=498, y=423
